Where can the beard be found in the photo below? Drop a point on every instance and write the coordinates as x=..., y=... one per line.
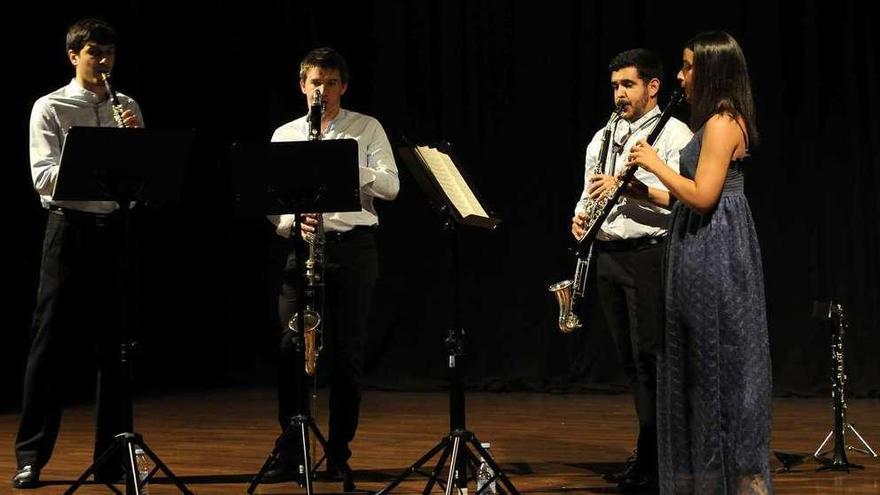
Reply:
x=635, y=109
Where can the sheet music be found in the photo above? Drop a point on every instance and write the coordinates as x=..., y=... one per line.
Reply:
x=452, y=182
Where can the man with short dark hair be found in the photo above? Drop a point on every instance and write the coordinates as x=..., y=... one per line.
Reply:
x=79, y=296
x=629, y=246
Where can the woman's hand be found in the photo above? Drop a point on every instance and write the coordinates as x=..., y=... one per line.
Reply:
x=643, y=155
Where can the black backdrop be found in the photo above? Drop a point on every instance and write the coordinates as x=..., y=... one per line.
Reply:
x=518, y=88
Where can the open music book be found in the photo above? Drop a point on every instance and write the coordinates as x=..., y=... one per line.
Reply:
x=447, y=175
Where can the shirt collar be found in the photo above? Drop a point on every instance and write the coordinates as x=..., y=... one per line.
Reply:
x=644, y=118
x=340, y=116
x=74, y=90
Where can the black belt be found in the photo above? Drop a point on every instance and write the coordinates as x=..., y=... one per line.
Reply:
x=84, y=216
x=627, y=244
x=357, y=231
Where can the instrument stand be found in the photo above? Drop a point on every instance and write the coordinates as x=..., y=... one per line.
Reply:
x=153, y=169
x=838, y=461
x=456, y=446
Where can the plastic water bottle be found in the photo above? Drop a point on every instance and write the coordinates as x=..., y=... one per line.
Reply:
x=485, y=474
x=143, y=468
x=462, y=489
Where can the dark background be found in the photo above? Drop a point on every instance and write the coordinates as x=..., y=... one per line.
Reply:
x=518, y=88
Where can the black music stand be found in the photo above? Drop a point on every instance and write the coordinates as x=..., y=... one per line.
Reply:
x=124, y=165
x=297, y=177
x=456, y=445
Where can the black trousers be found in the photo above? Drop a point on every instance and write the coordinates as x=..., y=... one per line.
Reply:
x=631, y=294
x=350, y=273
x=77, y=311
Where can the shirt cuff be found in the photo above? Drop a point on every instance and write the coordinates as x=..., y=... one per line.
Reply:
x=367, y=176
x=283, y=224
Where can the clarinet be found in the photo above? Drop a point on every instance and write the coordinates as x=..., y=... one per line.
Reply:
x=838, y=384
x=114, y=101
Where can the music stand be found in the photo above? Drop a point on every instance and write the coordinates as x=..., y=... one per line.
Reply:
x=297, y=177
x=124, y=165
x=438, y=173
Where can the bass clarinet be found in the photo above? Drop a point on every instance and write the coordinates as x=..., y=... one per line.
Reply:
x=314, y=276
x=570, y=293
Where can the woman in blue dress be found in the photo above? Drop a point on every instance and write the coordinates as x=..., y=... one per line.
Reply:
x=714, y=377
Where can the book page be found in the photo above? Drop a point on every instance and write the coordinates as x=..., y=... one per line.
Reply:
x=450, y=179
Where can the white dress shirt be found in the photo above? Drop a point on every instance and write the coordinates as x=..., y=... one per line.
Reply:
x=634, y=218
x=378, y=172
x=52, y=116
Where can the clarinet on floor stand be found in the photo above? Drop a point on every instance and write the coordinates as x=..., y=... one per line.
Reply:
x=838, y=461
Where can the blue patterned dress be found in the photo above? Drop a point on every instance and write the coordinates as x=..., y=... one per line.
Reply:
x=714, y=377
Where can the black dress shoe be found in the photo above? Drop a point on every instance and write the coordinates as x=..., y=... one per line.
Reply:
x=110, y=473
x=340, y=474
x=331, y=473
x=26, y=477
x=638, y=482
x=631, y=466
x=283, y=469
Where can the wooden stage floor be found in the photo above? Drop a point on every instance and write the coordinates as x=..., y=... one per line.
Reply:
x=546, y=443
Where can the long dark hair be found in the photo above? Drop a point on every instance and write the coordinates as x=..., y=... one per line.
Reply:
x=721, y=83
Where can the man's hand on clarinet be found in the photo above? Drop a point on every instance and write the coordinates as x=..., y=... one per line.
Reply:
x=130, y=119
x=600, y=185
x=579, y=224
x=308, y=221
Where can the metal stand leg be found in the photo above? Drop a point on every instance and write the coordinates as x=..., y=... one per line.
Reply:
x=867, y=450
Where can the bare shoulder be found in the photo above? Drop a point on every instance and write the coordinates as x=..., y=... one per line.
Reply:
x=722, y=123
x=723, y=128
x=725, y=132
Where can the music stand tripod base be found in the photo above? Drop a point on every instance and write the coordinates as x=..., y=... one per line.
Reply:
x=455, y=447
x=133, y=485
x=299, y=427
